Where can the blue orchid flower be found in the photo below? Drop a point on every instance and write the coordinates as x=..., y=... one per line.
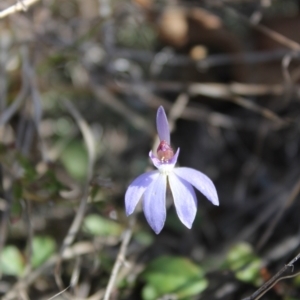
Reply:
x=152, y=186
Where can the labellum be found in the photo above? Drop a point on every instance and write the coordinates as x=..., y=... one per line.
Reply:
x=164, y=151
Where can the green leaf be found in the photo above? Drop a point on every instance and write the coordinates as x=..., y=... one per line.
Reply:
x=246, y=265
x=149, y=292
x=75, y=160
x=173, y=275
x=238, y=256
x=99, y=226
x=42, y=248
x=251, y=273
x=11, y=261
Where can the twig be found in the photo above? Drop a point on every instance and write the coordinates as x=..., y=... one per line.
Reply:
x=177, y=109
x=213, y=60
x=6, y=194
x=225, y=93
x=90, y=144
x=290, y=199
x=218, y=91
x=19, y=6
x=107, y=98
x=4, y=49
x=30, y=233
x=76, y=250
x=279, y=38
x=265, y=112
x=274, y=194
x=36, y=102
x=196, y=113
x=288, y=80
x=59, y=293
x=119, y=261
x=209, y=89
x=227, y=90
x=8, y=113
x=277, y=277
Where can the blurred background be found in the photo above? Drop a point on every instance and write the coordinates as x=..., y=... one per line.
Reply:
x=80, y=83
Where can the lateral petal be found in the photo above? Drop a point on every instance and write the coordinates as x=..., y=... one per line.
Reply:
x=200, y=181
x=185, y=199
x=154, y=203
x=162, y=125
x=136, y=189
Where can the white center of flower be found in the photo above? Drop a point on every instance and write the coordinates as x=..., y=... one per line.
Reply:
x=165, y=168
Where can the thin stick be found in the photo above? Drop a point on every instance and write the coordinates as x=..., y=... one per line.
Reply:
x=213, y=60
x=19, y=6
x=270, y=283
x=78, y=249
x=107, y=98
x=10, y=111
x=75, y=226
x=119, y=261
x=7, y=197
x=290, y=200
x=177, y=109
x=59, y=293
x=279, y=38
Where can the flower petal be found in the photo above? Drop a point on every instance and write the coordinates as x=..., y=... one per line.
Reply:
x=164, y=165
x=136, y=189
x=185, y=199
x=162, y=125
x=200, y=181
x=154, y=203
x=173, y=160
